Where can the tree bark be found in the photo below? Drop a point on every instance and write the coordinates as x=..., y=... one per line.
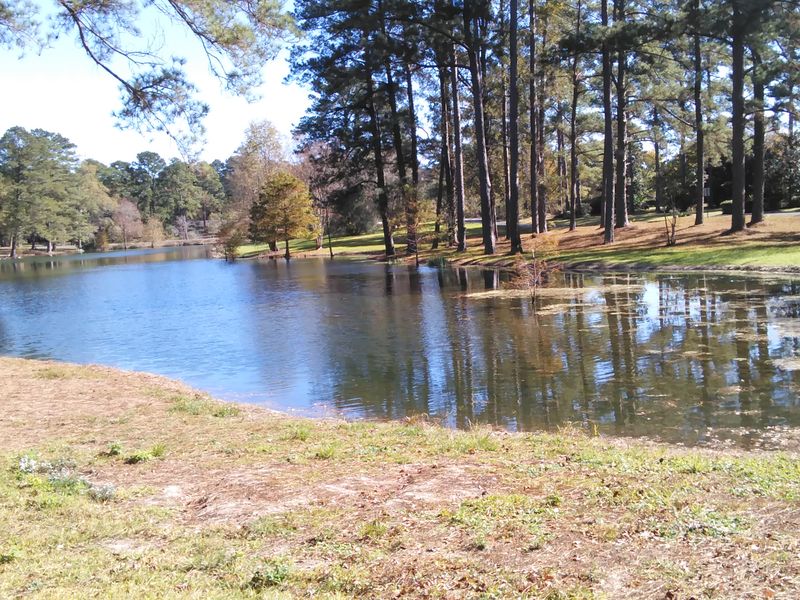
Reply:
x=447, y=157
x=737, y=118
x=608, y=137
x=461, y=228
x=574, y=201
x=698, y=123
x=757, y=214
x=504, y=109
x=473, y=49
x=534, y=154
x=542, y=192
x=512, y=213
x=563, y=196
x=377, y=150
x=412, y=210
x=397, y=137
x=620, y=200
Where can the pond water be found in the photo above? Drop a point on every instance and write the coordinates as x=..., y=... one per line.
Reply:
x=686, y=358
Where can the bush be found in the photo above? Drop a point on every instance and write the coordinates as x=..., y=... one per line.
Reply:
x=727, y=207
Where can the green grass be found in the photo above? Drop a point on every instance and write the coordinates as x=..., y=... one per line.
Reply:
x=280, y=507
x=368, y=243
x=202, y=405
x=742, y=255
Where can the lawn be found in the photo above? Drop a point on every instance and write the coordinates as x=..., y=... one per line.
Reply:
x=770, y=245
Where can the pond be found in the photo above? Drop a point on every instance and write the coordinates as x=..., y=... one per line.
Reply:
x=685, y=358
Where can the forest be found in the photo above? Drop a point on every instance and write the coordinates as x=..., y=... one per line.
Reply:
x=434, y=112
x=549, y=108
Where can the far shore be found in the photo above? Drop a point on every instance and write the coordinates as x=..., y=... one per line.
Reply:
x=70, y=250
x=117, y=483
x=772, y=247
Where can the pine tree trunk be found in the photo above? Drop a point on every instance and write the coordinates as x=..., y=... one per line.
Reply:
x=561, y=163
x=504, y=108
x=574, y=201
x=738, y=124
x=698, y=124
x=620, y=200
x=534, y=154
x=542, y=192
x=437, y=227
x=377, y=150
x=608, y=138
x=512, y=214
x=447, y=157
x=757, y=214
x=397, y=137
x=473, y=49
x=412, y=210
x=461, y=228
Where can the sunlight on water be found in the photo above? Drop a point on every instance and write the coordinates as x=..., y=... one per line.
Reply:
x=689, y=358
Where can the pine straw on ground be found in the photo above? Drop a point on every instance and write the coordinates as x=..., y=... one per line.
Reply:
x=212, y=500
x=768, y=246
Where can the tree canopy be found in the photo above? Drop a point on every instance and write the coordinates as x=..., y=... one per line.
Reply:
x=237, y=38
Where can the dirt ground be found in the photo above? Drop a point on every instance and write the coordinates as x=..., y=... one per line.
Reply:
x=333, y=509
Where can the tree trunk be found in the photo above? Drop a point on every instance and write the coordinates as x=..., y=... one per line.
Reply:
x=738, y=125
x=473, y=49
x=608, y=138
x=561, y=163
x=437, y=227
x=397, y=138
x=512, y=213
x=377, y=150
x=461, y=228
x=447, y=159
x=757, y=214
x=574, y=201
x=698, y=123
x=657, y=160
x=504, y=108
x=287, y=256
x=620, y=200
x=14, y=240
x=412, y=210
x=534, y=154
x=542, y=192
x=328, y=230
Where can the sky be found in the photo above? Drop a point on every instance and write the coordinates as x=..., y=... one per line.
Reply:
x=62, y=91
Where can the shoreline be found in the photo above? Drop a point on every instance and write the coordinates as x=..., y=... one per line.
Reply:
x=169, y=492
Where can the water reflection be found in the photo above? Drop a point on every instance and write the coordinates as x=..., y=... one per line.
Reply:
x=685, y=358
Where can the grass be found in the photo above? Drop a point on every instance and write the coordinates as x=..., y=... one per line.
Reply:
x=744, y=255
x=770, y=245
x=258, y=504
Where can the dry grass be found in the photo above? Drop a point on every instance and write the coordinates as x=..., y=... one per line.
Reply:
x=771, y=245
x=246, y=503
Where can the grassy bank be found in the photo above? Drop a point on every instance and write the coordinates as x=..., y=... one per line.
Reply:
x=772, y=245
x=117, y=484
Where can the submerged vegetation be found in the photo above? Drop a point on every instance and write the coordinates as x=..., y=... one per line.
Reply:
x=240, y=506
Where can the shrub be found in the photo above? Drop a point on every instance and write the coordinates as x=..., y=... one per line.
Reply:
x=271, y=574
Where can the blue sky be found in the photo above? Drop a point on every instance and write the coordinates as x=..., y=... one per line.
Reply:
x=60, y=90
